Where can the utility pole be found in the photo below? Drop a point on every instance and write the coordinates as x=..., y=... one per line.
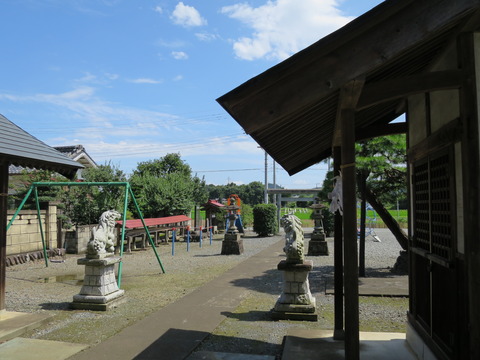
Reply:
x=266, y=179
x=274, y=183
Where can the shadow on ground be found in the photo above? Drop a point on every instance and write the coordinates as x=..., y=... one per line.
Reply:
x=176, y=341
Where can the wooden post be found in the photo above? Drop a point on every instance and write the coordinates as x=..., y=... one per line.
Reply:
x=363, y=218
x=3, y=231
x=338, y=333
x=352, y=341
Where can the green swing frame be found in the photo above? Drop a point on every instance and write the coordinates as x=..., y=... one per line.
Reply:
x=128, y=192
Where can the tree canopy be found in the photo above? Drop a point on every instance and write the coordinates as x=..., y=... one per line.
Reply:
x=166, y=187
x=382, y=162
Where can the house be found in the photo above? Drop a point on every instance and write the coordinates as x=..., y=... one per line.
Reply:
x=74, y=152
x=19, y=148
x=78, y=154
x=421, y=59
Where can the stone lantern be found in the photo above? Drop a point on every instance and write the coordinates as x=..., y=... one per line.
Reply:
x=317, y=245
x=232, y=243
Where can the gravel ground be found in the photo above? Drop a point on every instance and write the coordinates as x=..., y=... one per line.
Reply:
x=32, y=287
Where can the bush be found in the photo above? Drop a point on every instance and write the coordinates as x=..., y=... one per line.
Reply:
x=247, y=215
x=328, y=221
x=265, y=219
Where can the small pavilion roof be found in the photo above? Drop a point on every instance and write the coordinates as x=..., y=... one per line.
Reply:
x=19, y=148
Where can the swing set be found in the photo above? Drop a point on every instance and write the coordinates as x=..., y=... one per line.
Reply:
x=128, y=192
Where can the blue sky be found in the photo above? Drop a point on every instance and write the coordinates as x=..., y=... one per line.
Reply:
x=133, y=80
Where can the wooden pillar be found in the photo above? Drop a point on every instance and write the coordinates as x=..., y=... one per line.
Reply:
x=363, y=219
x=339, y=333
x=352, y=341
x=3, y=230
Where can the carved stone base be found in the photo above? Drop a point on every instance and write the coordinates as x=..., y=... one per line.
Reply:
x=317, y=248
x=99, y=290
x=232, y=244
x=296, y=301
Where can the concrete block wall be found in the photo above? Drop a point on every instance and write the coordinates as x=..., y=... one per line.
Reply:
x=76, y=241
x=24, y=234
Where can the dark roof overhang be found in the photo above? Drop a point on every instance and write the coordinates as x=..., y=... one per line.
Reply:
x=291, y=109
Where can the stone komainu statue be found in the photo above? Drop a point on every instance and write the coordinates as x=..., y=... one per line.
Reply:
x=293, y=238
x=103, y=235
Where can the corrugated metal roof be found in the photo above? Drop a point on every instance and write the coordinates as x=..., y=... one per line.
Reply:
x=17, y=147
x=290, y=109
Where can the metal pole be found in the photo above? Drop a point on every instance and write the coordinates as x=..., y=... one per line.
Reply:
x=122, y=238
x=20, y=207
x=45, y=255
x=146, y=229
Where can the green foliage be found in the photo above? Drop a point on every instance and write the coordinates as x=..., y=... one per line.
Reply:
x=251, y=193
x=382, y=161
x=168, y=195
x=169, y=164
x=265, y=219
x=165, y=187
x=22, y=183
x=84, y=205
x=247, y=215
x=328, y=220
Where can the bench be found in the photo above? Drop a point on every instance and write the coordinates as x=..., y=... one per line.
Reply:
x=134, y=229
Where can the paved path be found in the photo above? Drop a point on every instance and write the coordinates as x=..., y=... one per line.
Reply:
x=175, y=331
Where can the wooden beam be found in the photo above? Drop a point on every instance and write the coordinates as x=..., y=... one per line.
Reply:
x=381, y=130
x=3, y=230
x=376, y=93
x=349, y=95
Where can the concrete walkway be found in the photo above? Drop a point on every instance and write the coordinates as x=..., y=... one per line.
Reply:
x=176, y=330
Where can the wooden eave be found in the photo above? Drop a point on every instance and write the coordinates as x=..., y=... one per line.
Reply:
x=290, y=109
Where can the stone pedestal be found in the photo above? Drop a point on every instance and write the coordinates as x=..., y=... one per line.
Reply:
x=99, y=290
x=232, y=244
x=317, y=245
x=296, y=301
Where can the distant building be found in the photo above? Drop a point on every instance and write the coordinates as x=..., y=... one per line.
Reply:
x=75, y=152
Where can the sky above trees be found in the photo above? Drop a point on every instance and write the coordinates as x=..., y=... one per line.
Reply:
x=135, y=80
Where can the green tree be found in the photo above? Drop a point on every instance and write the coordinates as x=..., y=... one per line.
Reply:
x=84, y=205
x=166, y=187
x=381, y=161
x=22, y=183
x=170, y=163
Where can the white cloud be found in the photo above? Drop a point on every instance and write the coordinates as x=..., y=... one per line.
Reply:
x=158, y=9
x=204, y=36
x=179, y=55
x=187, y=16
x=145, y=81
x=281, y=28
x=178, y=78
